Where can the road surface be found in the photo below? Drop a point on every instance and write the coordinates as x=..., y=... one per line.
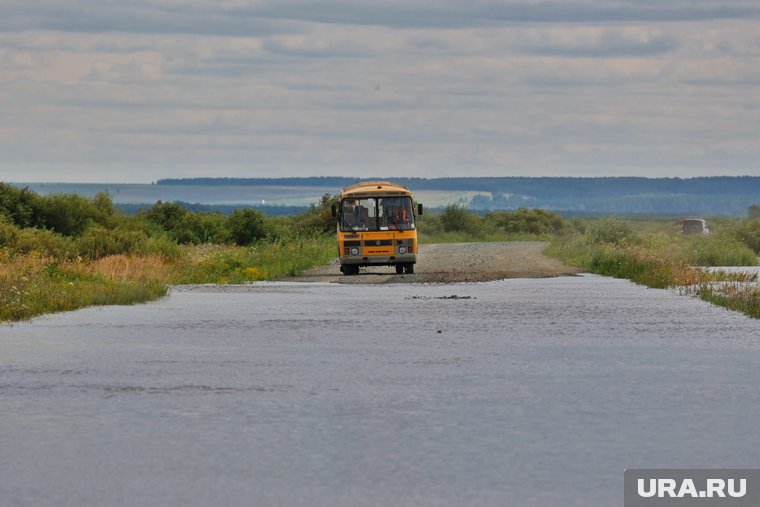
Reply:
x=455, y=262
x=529, y=392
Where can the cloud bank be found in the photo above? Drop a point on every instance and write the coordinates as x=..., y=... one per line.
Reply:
x=117, y=91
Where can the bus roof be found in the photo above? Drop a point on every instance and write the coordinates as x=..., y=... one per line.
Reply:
x=375, y=188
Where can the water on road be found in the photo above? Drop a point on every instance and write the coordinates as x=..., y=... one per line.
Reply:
x=530, y=392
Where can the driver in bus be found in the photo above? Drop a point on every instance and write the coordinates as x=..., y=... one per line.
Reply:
x=362, y=216
x=398, y=217
x=348, y=215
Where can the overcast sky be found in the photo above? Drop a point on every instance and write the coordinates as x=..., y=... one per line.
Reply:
x=133, y=91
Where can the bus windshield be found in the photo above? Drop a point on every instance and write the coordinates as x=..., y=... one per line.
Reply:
x=377, y=214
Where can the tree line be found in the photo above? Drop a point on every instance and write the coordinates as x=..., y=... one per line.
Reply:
x=68, y=225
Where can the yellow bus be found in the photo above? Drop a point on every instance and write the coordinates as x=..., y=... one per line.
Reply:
x=376, y=227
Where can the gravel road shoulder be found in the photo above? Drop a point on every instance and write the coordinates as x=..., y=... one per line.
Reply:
x=455, y=262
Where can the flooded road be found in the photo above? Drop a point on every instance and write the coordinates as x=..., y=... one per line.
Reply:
x=530, y=392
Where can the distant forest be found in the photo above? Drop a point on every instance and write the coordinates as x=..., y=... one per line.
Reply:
x=545, y=186
x=719, y=195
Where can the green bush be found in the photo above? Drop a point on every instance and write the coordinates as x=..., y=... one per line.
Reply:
x=14, y=239
x=71, y=214
x=457, y=224
x=67, y=214
x=457, y=218
x=187, y=227
x=8, y=234
x=99, y=242
x=172, y=219
x=211, y=228
x=718, y=250
x=610, y=231
x=528, y=221
x=748, y=232
x=45, y=242
x=246, y=226
x=318, y=218
x=19, y=206
x=160, y=244
x=169, y=215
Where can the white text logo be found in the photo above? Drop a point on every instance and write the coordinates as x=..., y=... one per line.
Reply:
x=714, y=488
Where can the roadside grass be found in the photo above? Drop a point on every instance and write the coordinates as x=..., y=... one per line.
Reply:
x=32, y=283
x=739, y=296
x=224, y=264
x=665, y=259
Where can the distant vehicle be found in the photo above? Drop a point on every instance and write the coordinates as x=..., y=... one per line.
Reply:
x=695, y=226
x=376, y=227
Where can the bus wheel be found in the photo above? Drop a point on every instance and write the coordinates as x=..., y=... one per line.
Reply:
x=399, y=269
x=350, y=269
x=409, y=269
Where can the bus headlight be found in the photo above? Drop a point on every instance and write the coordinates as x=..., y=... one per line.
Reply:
x=402, y=250
x=354, y=251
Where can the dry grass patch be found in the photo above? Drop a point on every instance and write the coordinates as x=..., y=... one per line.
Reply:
x=126, y=268
x=33, y=284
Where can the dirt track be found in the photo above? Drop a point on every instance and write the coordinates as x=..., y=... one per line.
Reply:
x=455, y=262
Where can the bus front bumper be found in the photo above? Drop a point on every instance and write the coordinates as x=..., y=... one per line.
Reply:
x=378, y=260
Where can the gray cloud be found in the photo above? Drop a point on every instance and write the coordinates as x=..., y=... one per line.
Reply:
x=486, y=13
x=87, y=16
x=609, y=45
x=268, y=17
x=417, y=86
x=311, y=50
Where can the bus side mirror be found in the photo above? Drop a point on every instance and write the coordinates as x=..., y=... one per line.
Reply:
x=334, y=211
x=419, y=209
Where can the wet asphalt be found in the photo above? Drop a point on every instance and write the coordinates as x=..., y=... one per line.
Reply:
x=529, y=392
